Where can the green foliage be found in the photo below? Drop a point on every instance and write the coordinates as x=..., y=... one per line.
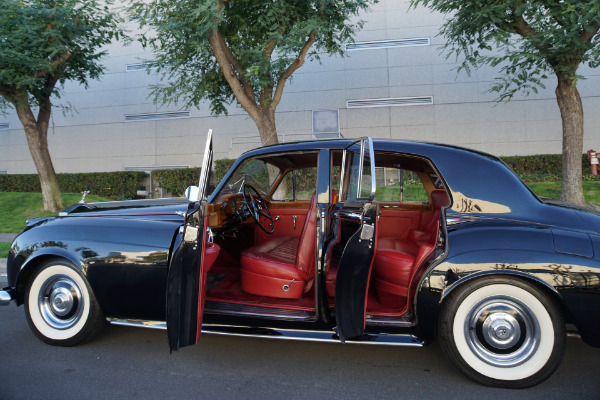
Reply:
x=17, y=207
x=221, y=167
x=4, y=248
x=176, y=180
x=114, y=185
x=526, y=39
x=264, y=37
x=539, y=164
x=45, y=42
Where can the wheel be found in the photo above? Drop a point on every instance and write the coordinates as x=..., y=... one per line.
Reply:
x=257, y=206
x=60, y=307
x=502, y=332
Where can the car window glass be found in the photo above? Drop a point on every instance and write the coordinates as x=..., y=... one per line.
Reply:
x=399, y=185
x=254, y=172
x=298, y=184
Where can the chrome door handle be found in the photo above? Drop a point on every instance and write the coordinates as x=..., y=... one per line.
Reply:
x=294, y=220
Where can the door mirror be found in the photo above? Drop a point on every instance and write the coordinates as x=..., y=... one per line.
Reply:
x=192, y=192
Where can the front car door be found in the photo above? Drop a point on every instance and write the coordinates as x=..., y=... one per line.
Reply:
x=352, y=245
x=186, y=279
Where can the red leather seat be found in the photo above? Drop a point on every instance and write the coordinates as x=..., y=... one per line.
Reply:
x=396, y=260
x=282, y=267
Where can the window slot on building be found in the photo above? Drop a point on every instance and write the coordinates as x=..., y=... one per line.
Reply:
x=391, y=102
x=156, y=116
x=387, y=44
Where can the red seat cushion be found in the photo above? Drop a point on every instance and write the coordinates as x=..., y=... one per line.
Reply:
x=276, y=258
x=393, y=266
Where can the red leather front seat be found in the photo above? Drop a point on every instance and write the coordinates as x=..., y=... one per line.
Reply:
x=282, y=267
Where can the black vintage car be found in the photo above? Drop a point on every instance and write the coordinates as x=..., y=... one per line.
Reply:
x=364, y=241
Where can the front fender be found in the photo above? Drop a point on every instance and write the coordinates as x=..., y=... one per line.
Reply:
x=124, y=260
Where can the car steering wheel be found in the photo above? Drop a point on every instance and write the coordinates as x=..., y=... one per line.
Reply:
x=257, y=206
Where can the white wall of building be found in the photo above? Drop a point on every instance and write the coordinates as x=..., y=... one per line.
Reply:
x=96, y=137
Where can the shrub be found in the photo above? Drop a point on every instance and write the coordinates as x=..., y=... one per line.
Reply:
x=541, y=164
x=115, y=185
x=176, y=180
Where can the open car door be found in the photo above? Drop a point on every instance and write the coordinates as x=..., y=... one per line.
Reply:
x=186, y=279
x=354, y=220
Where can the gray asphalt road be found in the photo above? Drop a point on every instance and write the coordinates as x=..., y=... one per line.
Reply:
x=135, y=363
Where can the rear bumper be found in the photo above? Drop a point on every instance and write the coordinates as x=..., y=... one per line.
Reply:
x=6, y=296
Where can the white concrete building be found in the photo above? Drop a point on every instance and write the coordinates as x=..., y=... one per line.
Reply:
x=396, y=85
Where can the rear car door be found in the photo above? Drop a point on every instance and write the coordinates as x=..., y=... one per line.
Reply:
x=354, y=220
x=187, y=279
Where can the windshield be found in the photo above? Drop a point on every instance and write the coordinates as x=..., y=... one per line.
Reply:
x=254, y=172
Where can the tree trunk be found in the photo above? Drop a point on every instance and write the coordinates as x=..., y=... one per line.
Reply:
x=38, y=147
x=265, y=122
x=571, y=111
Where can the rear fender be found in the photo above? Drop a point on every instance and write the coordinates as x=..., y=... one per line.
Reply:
x=555, y=278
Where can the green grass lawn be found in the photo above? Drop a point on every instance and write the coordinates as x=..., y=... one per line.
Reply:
x=4, y=247
x=17, y=207
x=591, y=190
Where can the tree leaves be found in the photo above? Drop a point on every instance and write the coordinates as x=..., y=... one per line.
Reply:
x=265, y=39
x=44, y=42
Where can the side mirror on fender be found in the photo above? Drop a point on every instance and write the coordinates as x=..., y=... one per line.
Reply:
x=192, y=193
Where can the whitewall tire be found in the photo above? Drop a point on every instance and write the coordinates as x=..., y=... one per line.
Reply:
x=60, y=306
x=502, y=332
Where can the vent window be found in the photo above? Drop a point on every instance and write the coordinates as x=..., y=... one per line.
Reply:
x=387, y=44
x=156, y=116
x=391, y=102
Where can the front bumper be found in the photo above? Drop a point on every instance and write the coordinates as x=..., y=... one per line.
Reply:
x=6, y=296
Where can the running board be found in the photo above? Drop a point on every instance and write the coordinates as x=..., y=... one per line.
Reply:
x=219, y=308
x=375, y=320
x=283, y=334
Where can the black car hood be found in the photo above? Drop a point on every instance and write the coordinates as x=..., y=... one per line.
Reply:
x=129, y=208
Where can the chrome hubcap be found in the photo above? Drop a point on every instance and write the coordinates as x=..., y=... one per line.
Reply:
x=60, y=302
x=502, y=331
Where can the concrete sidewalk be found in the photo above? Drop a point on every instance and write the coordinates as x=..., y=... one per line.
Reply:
x=7, y=237
x=3, y=280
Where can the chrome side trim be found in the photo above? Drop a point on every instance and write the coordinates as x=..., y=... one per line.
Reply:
x=5, y=298
x=138, y=323
x=311, y=336
x=283, y=334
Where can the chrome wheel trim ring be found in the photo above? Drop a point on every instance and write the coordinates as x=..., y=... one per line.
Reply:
x=60, y=302
x=502, y=331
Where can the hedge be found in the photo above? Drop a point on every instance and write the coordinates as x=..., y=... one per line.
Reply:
x=176, y=180
x=115, y=185
x=544, y=167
